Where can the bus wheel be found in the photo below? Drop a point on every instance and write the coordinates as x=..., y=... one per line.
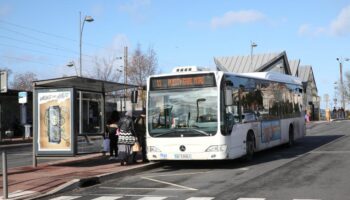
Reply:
x=250, y=146
x=291, y=136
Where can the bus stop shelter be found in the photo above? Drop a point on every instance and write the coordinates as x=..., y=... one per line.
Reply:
x=70, y=115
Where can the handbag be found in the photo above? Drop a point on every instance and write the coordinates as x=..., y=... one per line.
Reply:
x=126, y=138
x=106, y=144
x=136, y=147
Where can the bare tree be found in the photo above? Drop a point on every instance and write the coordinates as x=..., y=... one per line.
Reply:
x=23, y=81
x=142, y=65
x=347, y=86
x=106, y=69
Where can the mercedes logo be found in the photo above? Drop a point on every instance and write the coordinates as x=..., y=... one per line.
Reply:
x=182, y=148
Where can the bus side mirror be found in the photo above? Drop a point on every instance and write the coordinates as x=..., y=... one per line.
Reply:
x=228, y=97
x=134, y=95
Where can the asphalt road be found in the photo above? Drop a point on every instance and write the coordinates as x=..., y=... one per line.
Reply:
x=317, y=167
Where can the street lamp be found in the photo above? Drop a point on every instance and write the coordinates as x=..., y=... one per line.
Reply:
x=252, y=45
x=86, y=19
x=340, y=61
x=72, y=64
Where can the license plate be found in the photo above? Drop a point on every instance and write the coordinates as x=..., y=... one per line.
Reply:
x=183, y=156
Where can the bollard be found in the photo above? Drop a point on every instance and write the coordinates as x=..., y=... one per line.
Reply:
x=4, y=175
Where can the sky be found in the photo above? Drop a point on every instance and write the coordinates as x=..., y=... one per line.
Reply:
x=42, y=36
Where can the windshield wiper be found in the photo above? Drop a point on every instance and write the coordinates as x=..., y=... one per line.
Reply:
x=200, y=131
x=165, y=133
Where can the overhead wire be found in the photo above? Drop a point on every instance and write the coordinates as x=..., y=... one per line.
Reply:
x=27, y=60
x=39, y=43
x=42, y=45
x=46, y=33
x=34, y=38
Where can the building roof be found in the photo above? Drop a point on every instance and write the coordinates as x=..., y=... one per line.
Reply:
x=82, y=83
x=294, y=66
x=304, y=73
x=246, y=64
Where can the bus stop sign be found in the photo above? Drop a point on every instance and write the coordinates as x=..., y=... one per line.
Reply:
x=3, y=81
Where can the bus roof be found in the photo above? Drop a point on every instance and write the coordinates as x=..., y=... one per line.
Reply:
x=274, y=76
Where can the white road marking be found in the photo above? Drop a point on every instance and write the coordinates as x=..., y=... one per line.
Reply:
x=200, y=198
x=66, y=198
x=306, y=199
x=167, y=183
x=161, y=189
x=153, y=198
x=108, y=198
x=182, y=174
x=251, y=199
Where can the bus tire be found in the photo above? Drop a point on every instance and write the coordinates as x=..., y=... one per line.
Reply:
x=250, y=146
x=291, y=141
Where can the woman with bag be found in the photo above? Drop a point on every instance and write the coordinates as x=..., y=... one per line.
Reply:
x=126, y=137
x=113, y=138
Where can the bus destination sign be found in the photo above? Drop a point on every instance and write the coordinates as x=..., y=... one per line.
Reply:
x=183, y=81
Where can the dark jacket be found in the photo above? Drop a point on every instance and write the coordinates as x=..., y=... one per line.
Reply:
x=112, y=132
x=126, y=124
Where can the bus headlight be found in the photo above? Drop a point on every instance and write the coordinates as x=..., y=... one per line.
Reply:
x=153, y=149
x=216, y=148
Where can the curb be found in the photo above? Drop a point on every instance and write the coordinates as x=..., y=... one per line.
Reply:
x=93, y=180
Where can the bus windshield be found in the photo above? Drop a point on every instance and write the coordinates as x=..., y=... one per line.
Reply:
x=183, y=112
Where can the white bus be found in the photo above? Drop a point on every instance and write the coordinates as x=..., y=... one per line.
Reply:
x=214, y=115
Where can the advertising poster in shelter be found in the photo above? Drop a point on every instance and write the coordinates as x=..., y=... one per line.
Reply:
x=54, y=120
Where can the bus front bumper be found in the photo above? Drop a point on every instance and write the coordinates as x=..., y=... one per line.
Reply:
x=187, y=156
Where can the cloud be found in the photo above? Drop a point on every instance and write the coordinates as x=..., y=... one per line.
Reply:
x=309, y=30
x=341, y=25
x=236, y=17
x=136, y=9
x=5, y=9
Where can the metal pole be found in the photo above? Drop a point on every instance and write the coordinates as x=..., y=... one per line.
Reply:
x=125, y=73
x=341, y=84
x=35, y=125
x=4, y=175
x=80, y=43
x=251, y=55
x=0, y=122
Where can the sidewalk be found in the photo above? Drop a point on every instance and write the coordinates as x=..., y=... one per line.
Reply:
x=50, y=178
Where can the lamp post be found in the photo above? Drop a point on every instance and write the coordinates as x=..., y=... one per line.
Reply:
x=72, y=64
x=252, y=45
x=340, y=61
x=81, y=28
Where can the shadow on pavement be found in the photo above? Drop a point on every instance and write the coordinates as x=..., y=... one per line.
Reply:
x=302, y=146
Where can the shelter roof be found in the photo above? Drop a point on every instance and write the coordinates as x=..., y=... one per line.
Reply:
x=82, y=83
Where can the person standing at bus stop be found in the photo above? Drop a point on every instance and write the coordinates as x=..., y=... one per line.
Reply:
x=140, y=126
x=126, y=137
x=113, y=138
